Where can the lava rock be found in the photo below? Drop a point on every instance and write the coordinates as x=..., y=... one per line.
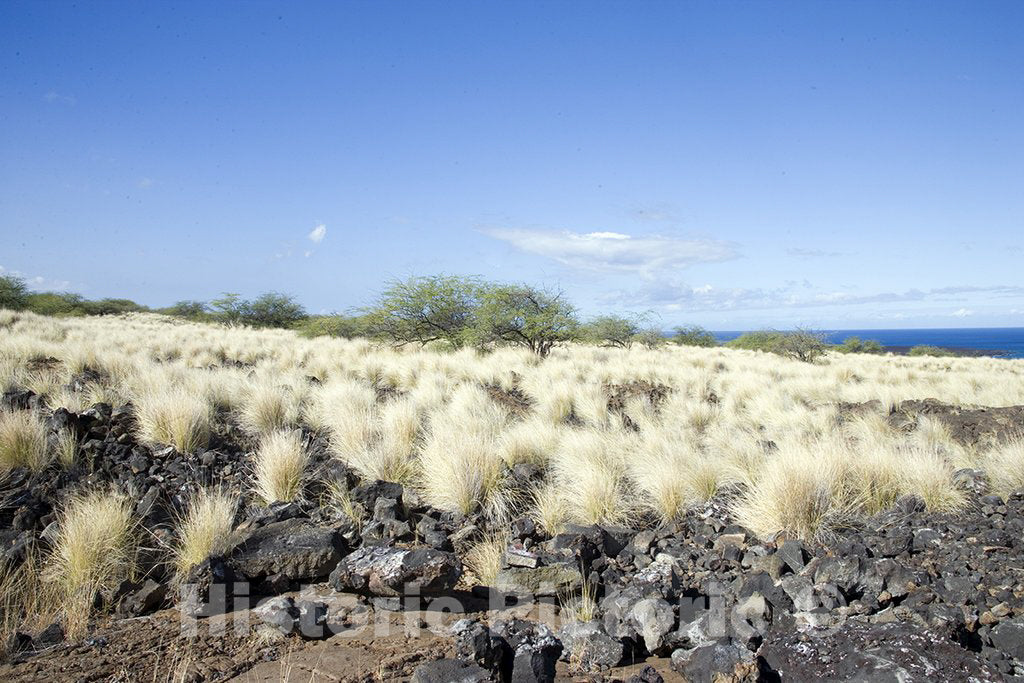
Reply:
x=450, y=671
x=550, y=580
x=587, y=644
x=392, y=572
x=294, y=549
x=857, y=651
x=719, y=661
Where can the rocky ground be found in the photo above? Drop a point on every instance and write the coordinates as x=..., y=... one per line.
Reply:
x=308, y=595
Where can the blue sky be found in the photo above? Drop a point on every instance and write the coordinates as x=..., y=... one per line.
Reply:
x=827, y=164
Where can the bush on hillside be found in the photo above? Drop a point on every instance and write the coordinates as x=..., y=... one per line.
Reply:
x=693, y=335
x=858, y=345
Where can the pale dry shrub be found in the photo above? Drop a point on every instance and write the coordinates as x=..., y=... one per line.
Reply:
x=549, y=509
x=22, y=440
x=66, y=447
x=484, y=558
x=1004, y=465
x=930, y=476
x=205, y=528
x=338, y=501
x=801, y=490
x=590, y=470
x=267, y=408
x=94, y=549
x=280, y=468
x=174, y=416
x=460, y=466
x=531, y=441
x=27, y=602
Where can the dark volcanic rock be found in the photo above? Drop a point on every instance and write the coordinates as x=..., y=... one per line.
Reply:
x=588, y=645
x=294, y=549
x=394, y=572
x=894, y=652
x=535, y=650
x=450, y=671
x=720, y=661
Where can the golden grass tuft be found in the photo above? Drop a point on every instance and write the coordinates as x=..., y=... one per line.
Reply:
x=280, y=468
x=205, y=528
x=483, y=559
x=22, y=441
x=174, y=416
x=93, y=550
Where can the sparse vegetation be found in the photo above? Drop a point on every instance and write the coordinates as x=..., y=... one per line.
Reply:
x=205, y=528
x=94, y=549
x=22, y=441
x=280, y=467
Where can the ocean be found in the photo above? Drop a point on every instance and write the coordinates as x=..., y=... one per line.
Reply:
x=1000, y=342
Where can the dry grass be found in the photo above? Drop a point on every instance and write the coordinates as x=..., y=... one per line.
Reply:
x=484, y=558
x=174, y=416
x=22, y=441
x=280, y=467
x=27, y=603
x=93, y=550
x=421, y=417
x=205, y=528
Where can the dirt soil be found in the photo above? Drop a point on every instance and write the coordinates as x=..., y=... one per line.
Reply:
x=153, y=649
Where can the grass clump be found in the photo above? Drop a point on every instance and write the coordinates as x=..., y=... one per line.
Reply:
x=22, y=441
x=281, y=462
x=94, y=549
x=175, y=417
x=205, y=529
x=484, y=558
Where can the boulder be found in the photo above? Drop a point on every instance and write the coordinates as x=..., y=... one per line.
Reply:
x=1008, y=637
x=450, y=671
x=535, y=650
x=295, y=549
x=719, y=662
x=588, y=645
x=148, y=596
x=550, y=580
x=856, y=651
x=392, y=572
x=278, y=613
x=474, y=641
x=653, y=619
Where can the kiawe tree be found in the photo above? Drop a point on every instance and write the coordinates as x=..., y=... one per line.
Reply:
x=436, y=308
x=13, y=293
x=525, y=316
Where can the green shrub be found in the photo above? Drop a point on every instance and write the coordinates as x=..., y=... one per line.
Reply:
x=929, y=350
x=758, y=340
x=13, y=293
x=344, y=326
x=694, y=335
x=858, y=345
x=55, y=303
x=800, y=344
x=610, y=330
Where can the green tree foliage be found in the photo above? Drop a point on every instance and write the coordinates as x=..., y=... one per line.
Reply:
x=610, y=330
x=344, y=326
x=13, y=293
x=758, y=340
x=111, y=307
x=272, y=309
x=524, y=316
x=193, y=310
x=228, y=308
x=800, y=344
x=858, y=345
x=650, y=337
x=56, y=303
x=693, y=335
x=437, y=308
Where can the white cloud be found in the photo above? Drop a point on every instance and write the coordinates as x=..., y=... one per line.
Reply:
x=675, y=295
x=37, y=282
x=316, y=236
x=145, y=182
x=616, y=251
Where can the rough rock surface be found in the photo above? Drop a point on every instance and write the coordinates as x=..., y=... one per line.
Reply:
x=380, y=570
